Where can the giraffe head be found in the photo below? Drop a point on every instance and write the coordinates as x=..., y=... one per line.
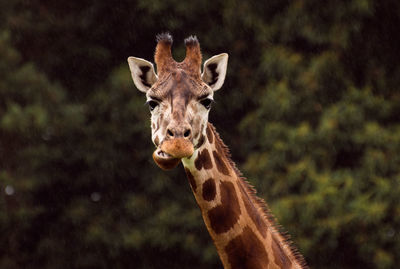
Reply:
x=179, y=97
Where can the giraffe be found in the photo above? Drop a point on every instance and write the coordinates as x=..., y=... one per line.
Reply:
x=180, y=97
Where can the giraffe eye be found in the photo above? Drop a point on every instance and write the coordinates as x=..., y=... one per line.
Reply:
x=152, y=104
x=206, y=103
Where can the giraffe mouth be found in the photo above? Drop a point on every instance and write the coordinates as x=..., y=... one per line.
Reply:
x=164, y=160
x=169, y=154
x=163, y=154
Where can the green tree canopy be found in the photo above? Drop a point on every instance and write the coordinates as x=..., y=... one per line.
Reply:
x=310, y=109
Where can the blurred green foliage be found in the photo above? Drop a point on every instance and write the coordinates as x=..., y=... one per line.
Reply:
x=310, y=110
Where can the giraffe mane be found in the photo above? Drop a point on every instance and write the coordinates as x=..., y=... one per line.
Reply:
x=252, y=192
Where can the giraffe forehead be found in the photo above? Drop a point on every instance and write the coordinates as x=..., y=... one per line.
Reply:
x=179, y=85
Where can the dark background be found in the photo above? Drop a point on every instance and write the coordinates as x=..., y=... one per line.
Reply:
x=310, y=109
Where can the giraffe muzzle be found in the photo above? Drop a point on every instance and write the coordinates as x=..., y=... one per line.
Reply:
x=169, y=154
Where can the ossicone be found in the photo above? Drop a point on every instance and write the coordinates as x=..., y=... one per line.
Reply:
x=193, y=54
x=163, y=56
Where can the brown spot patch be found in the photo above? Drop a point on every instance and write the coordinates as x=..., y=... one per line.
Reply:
x=203, y=160
x=209, y=135
x=157, y=141
x=246, y=251
x=221, y=166
x=191, y=179
x=280, y=258
x=158, y=125
x=209, y=189
x=253, y=212
x=223, y=217
x=201, y=141
x=163, y=123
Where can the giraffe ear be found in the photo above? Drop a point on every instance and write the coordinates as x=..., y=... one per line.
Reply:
x=142, y=72
x=214, y=71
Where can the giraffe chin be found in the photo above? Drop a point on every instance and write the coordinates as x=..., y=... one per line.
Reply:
x=169, y=154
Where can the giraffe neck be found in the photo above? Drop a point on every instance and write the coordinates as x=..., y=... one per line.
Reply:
x=243, y=230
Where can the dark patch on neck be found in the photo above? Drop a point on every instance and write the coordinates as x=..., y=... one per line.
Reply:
x=223, y=217
x=223, y=153
x=253, y=212
x=201, y=141
x=221, y=166
x=191, y=179
x=213, y=69
x=272, y=224
x=144, y=70
x=246, y=251
x=209, y=189
x=209, y=134
x=280, y=257
x=203, y=160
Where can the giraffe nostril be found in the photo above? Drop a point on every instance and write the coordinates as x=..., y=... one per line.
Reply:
x=169, y=133
x=187, y=133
